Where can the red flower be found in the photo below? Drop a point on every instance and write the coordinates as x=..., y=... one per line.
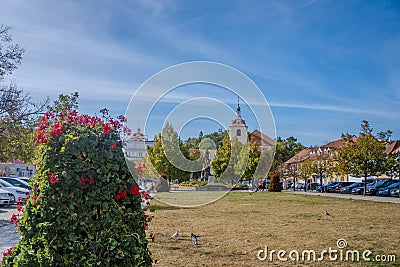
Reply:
x=41, y=137
x=127, y=131
x=121, y=194
x=19, y=206
x=82, y=180
x=57, y=130
x=91, y=180
x=53, y=178
x=106, y=128
x=14, y=219
x=135, y=190
x=7, y=252
x=115, y=124
x=114, y=146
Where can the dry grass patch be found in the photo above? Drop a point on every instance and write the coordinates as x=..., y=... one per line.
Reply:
x=232, y=229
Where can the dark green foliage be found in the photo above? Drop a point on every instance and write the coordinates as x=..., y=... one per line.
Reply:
x=275, y=184
x=85, y=205
x=284, y=150
x=216, y=137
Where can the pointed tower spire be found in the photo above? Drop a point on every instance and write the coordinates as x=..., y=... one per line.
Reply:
x=238, y=113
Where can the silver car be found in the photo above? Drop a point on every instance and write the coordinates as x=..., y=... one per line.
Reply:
x=20, y=194
x=6, y=198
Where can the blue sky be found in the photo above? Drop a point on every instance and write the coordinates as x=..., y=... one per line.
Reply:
x=323, y=66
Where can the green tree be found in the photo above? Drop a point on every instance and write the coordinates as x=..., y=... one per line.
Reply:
x=227, y=156
x=18, y=113
x=363, y=157
x=248, y=160
x=64, y=104
x=284, y=150
x=216, y=137
x=10, y=53
x=164, y=143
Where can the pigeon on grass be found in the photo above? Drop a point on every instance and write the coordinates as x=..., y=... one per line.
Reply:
x=176, y=235
x=152, y=237
x=194, y=239
x=327, y=213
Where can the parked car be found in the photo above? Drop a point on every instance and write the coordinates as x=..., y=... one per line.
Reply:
x=319, y=189
x=336, y=187
x=25, y=179
x=20, y=194
x=372, y=190
x=347, y=189
x=6, y=198
x=394, y=192
x=16, y=182
x=385, y=191
x=360, y=190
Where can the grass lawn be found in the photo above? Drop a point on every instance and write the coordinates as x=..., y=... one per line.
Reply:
x=189, y=198
x=233, y=229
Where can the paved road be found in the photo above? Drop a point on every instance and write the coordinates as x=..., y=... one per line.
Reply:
x=349, y=196
x=8, y=238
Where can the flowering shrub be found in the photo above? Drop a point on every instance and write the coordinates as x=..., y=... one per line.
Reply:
x=85, y=207
x=194, y=183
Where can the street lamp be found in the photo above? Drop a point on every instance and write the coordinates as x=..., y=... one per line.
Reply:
x=320, y=163
x=294, y=176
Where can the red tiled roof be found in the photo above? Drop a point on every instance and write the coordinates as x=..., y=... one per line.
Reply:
x=305, y=153
x=393, y=147
x=260, y=139
x=301, y=156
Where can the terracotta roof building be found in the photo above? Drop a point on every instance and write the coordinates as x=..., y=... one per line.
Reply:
x=260, y=139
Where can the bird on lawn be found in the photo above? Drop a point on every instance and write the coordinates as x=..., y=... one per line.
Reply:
x=175, y=236
x=152, y=237
x=194, y=239
x=327, y=213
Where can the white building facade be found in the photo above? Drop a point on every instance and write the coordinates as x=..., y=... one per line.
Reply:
x=135, y=147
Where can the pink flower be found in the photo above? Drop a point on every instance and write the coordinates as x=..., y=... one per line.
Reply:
x=91, y=180
x=114, y=146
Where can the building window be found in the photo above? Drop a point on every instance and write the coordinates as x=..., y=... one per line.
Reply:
x=140, y=154
x=238, y=132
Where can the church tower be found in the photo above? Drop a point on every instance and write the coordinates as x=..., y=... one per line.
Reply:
x=238, y=128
